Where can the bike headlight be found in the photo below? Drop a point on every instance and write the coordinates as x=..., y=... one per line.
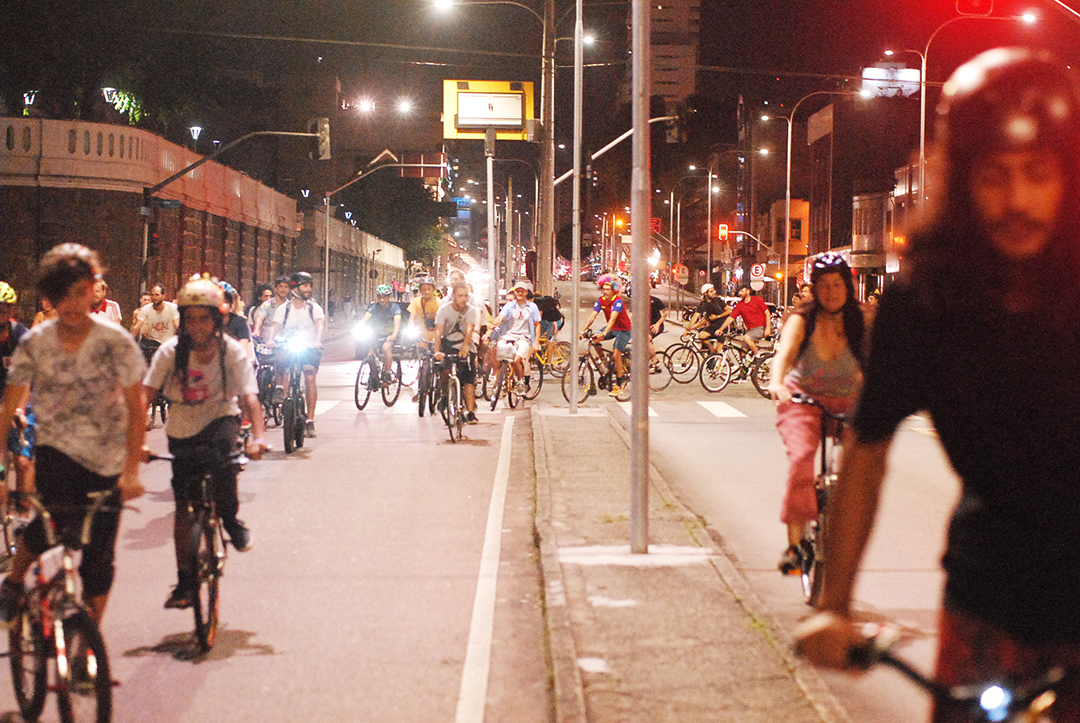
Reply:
x=361, y=331
x=296, y=344
x=995, y=701
x=411, y=332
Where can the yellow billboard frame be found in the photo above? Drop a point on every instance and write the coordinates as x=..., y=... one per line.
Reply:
x=453, y=90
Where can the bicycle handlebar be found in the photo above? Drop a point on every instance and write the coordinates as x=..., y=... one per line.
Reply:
x=803, y=398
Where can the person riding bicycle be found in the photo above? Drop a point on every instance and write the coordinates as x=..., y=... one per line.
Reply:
x=156, y=322
x=820, y=355
x=206, y=376
x=658, y=313
x=755, y=315
x=19, y=439
x=86, y=374
x=522, y=321
x=263, y=318
x=384, y=318
x=963, y=336
x=236, y=324
x=709, y=316
x=617, y=313
x=454, y=326
x=300, y=318
x=423, y=308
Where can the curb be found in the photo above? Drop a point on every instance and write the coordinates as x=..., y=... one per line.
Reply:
x=806, y=676
x=569, y=694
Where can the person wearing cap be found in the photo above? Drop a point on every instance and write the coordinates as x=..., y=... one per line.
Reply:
x=207, y=377
x=422, y=311
x=990, y=271
x=86, y=374
x=711, y=313
x=522, y=328
x=755, y=315
x=300, y=318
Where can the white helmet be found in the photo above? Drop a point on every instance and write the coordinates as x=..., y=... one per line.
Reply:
x=706, y=287
x=201, y=290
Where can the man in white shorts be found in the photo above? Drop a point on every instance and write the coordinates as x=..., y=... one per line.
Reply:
x=522, y=318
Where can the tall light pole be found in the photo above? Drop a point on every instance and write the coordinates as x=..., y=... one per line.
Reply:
x=575, y=256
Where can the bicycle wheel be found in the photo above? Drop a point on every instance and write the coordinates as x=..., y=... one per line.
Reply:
x=660, y=373
x=362, y=388
x=558, y=359
x=288, y=416
x=204, y=541
x=391, y=389
x=452, y=407
x=715, y=373
x=84, y=687
x=761, y=373
x=300, y=422
x=435, y=394
x=423, y=386
x=585, y=382
x=534, y=381
x=488, y=382
x=500, y=385
x=29, y=657
x=684, y=361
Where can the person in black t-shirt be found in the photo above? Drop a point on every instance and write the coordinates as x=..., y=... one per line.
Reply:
x=709, y=317
x=962, y=336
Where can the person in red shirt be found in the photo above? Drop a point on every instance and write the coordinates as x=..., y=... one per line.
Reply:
x=755, y=314
x=617, y=312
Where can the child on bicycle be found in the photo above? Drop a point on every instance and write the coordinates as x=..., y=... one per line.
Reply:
x=206, y=376
x=84, y=371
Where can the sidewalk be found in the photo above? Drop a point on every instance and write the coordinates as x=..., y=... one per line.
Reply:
x=674, y=635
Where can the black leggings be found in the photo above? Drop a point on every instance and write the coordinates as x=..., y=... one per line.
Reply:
x=62, y=484
x=207, y=451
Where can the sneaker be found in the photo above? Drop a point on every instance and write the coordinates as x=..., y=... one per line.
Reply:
x=470, y=418
x=616, y=390
x=11, y=593
x=279, y=395
x=239, y=535
x=309, y=430
x=791, y=561
x=387, y=377
x=181, y=597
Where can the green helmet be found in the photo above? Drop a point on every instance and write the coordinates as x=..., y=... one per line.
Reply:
x=383, y=289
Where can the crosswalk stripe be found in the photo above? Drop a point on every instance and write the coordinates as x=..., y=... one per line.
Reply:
x=628, y=408
x=324, y=406
x=721, y=409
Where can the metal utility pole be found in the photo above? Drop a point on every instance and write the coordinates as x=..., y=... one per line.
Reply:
x=493, y=241
x=545, y=243
x=509, y=230
x=640, y=210
x=575, y=263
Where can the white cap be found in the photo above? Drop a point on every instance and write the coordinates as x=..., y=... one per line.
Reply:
x=707, y=287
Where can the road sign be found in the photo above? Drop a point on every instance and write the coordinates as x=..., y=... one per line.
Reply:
x=757, y=284
x=654, y=225
x=757, y=272
x=682, y=274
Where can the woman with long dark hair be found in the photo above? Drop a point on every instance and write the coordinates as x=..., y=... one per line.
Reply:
x=820, y=355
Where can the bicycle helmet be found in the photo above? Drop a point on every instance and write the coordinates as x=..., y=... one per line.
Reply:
x=383, y=289
x=7, y=294
x=300, y=278
x=228, y=289
x=202, y=291
x=426, y=280
x=832, y=263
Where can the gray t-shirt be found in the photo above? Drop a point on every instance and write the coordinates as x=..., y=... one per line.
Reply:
x=454, y=322
x=78, y=396
x=205, y=400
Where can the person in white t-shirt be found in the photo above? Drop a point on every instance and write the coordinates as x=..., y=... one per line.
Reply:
x=303, y=320
x=85, y=372
x=523, y=328
x=158, y=321
x=207, y=377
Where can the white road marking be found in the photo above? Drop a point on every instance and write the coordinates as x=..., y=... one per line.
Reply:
x=593, y=665
x=658, y=555
x=599, y=601
x=324, y=406
x=628, y=407
x=721, y=409
x=474, y=679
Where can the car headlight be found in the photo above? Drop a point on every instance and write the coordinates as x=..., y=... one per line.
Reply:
x=361, y=331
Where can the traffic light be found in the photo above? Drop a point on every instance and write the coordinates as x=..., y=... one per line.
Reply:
x=674, y=130
x=723, y=232
x=320, y=143
x=153, y=241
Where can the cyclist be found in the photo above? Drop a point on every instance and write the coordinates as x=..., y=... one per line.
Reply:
x=85, y=372
x=963, y=336
x=423, y=308
x=454, y=326
x=105, y=307
x=617, y=313
x=20, y=436
x=263, y=293
x=755, y=314
x=385, y=318
x=658, y=312
x=265, y=312
x=156, y=322
x=820, y=355
x=710, y=315
x=206, y=375
x=522, y=320
x=236, y=324
x=300, y=318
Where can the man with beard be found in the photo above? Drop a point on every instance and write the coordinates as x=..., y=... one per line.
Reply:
x=301, y=318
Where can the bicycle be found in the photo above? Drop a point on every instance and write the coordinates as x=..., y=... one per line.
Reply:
x=1029, y=700
x=159, y=405
x=554, y=356
x=453, y=411
x=596, y=370
x=294, y=406
x=371, y=376
x=13, y=510
x=52, y=624
x=813, y=544
x=206, y=545
x=684, y=357
x=264, y=378
x=740, y=364
x=427, y=392
x=504, y=382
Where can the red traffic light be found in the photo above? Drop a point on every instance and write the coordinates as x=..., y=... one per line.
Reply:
x=723, y=232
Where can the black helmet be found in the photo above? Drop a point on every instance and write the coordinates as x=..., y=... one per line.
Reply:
x=1008, y=99
x=300, y=277
x=830, y=262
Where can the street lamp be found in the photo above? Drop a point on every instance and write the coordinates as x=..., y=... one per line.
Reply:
x=195, y=131
x=1028, y=17
x=713, y=158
